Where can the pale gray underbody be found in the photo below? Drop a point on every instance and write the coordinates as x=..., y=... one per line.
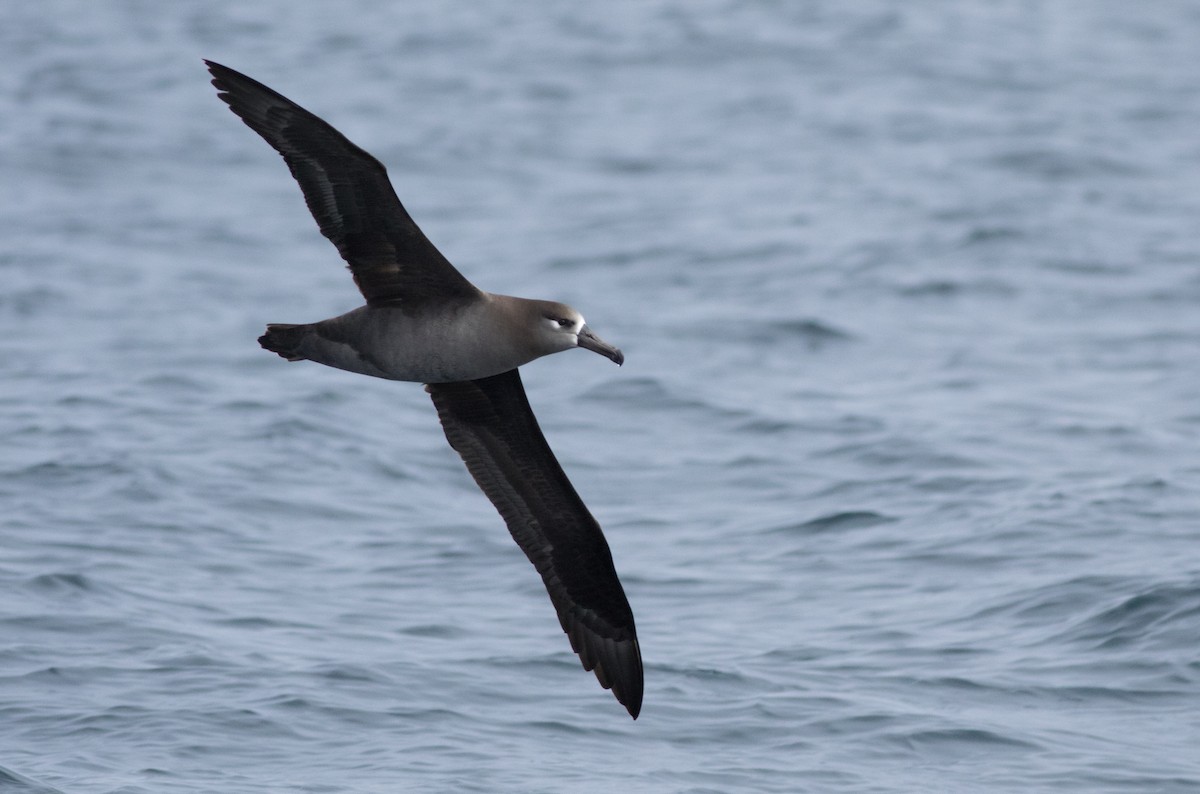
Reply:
x=461, y=340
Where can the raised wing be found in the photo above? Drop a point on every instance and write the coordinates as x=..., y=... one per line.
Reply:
x=348, y=192
x=490, y=424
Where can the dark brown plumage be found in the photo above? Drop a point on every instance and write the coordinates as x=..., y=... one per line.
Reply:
x=489, y=422
x=349, y=195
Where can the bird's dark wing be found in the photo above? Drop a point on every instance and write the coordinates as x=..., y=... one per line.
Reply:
x=489, y=422
x=348, y=192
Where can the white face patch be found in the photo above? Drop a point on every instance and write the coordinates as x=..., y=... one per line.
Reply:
x=557, y=323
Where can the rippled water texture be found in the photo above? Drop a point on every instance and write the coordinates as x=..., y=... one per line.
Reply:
x=901, y=473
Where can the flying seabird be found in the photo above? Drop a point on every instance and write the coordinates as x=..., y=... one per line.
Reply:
x=424, y=322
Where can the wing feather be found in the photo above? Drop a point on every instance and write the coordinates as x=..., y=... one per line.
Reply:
x=349, y=194
x=490, y=424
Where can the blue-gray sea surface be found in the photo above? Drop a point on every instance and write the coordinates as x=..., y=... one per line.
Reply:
x=902, y=474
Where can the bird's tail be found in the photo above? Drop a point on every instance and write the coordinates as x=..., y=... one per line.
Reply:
x=285, y=339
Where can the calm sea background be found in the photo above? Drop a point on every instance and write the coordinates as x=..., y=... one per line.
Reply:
x=902, y=475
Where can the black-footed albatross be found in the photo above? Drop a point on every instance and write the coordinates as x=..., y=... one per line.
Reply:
x=424, y=322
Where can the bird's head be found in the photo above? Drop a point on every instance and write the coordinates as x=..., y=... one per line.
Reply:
x=559, y=327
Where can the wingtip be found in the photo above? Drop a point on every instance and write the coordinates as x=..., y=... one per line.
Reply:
x=632, y=701
x=628, y=683
x=224, y=79
x=218, y=72
x=618, y=667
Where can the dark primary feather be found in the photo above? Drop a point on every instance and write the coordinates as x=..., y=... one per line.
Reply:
x=489, y=422
x=348, y=192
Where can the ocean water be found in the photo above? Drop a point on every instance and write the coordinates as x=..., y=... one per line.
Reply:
x=902, y=474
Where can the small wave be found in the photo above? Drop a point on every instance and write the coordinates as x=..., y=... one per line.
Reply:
x=349, y=672
x=1166, y=616
x=648, y=392
x=813, y=331
x=911, y=454
x=435, y=630
x=954, y=288
x=836, y=522
x=1100, y=613
x=29, y=302
x=1085, y=267
x=258, y=623
x=814, y=334
x=614, y=258
x=946, y=742
x=54, y=473
x=987, y=234
x=19, y=784
x=629, y=165
x=1060, y=165
x=61, y=584
x=1048, y=603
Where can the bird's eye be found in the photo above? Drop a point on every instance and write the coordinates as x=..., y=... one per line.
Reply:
x=565, y=323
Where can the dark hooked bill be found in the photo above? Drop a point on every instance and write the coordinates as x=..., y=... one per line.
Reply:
x=589, y=341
